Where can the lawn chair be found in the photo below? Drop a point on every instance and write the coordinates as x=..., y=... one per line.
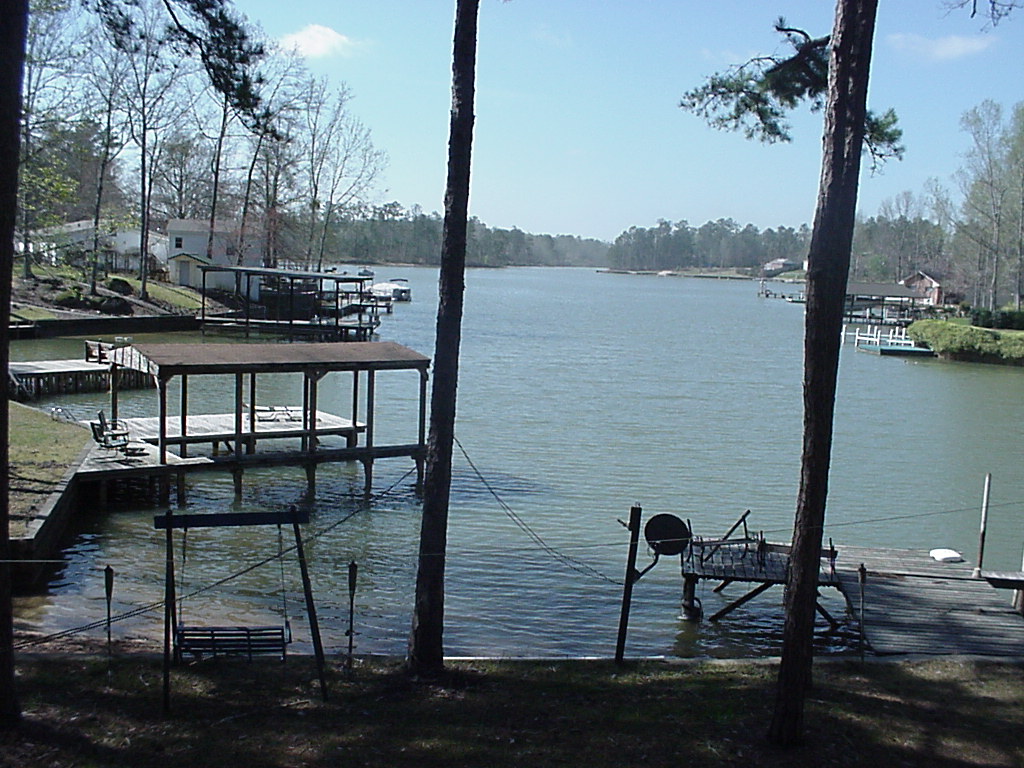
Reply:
x=112, y=435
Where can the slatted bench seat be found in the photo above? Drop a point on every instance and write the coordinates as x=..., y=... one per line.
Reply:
x=231, y=640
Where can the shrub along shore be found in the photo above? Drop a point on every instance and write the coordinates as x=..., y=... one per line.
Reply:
x=968, y=343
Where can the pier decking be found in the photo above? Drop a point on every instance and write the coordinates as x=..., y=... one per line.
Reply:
x=33, y=379
x=912, y=603
x=218, y=428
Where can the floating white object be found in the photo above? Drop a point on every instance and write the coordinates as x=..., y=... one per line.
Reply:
x=946, y=555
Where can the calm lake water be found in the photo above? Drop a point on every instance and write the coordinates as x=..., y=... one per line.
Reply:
x=580, y=394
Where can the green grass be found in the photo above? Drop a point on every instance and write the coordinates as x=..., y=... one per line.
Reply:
x=62, y=271
x=41, y=451
x=508, y=714
x=30, y=314
x=166, y=293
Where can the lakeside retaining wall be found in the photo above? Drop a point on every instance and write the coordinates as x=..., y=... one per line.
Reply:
x=86, y=326
x=45, y=531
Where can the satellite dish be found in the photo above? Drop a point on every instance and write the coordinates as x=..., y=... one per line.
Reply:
x=667, y=535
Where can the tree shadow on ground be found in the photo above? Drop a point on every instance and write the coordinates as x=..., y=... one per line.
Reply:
x=265, y=713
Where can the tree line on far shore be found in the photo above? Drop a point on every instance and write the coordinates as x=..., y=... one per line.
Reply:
x=118, y=133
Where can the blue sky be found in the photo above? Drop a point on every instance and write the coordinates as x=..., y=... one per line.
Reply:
x=577, y=125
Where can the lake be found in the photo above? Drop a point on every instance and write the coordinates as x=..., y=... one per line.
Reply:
x=580, y=394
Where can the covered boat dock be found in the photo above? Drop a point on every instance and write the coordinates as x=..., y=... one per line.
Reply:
x=248, y=423
x=329, y=306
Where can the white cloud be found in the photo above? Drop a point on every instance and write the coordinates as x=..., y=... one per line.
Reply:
x=543, y=34
x=942, y=48
x=316, y=42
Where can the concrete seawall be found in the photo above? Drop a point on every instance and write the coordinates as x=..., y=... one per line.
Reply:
x=41, y=538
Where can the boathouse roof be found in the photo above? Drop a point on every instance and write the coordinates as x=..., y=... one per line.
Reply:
x=288, y=274
x=192, y=359
x=882, y=290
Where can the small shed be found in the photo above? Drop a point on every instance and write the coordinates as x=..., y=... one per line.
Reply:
x=185, y=269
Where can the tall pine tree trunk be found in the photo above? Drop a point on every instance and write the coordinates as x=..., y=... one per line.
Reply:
x=828, y=265
x=426, y=646
x=13, y=29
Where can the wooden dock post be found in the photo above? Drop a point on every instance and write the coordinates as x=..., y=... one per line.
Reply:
x=862, y=578
x=692, y=609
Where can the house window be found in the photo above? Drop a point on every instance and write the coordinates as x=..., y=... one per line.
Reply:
x=179, y=242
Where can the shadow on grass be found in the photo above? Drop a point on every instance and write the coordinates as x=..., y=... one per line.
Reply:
x=496, y=714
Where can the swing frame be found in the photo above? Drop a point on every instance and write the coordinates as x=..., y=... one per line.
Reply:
x=214, y=640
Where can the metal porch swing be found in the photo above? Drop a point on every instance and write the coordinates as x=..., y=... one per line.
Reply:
x=196, y=640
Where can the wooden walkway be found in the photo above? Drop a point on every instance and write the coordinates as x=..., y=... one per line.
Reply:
x=33, y=379
x=913, y=604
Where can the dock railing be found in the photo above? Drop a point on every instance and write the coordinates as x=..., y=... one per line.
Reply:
x=893, y=337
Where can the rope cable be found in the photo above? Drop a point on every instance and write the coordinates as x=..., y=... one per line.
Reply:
x=570, y=562
x=566, y=560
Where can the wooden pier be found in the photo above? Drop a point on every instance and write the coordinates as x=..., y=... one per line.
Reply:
x=31, y=380
x=319, y=306
x=894, y=343
x=912, y=603
x=249, y=423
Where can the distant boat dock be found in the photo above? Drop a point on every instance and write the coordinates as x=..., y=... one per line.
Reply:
x=322, y=306
x=32, y=380
x=893, y=343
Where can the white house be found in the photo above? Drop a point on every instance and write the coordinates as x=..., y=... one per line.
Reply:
x=187, y=252
x=776, y=266
x=119, y=247
x=927, y=286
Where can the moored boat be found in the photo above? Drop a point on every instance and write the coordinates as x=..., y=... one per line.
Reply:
x=396, y=289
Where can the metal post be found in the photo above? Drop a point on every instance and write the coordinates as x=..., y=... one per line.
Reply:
x=108, y=585
x=113, y=390
x=862, y=577
x=169, y=600
x=183, y=417
x=252, y=413
x=238, y=415
x=352, y=570
x=631, y=575
x=1018, y=594
x=984, y=524
x=161, y=388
